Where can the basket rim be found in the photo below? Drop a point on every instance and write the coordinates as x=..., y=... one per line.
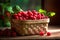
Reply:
x=34, y=21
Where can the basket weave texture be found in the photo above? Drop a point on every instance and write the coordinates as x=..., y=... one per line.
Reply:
x=30, y=27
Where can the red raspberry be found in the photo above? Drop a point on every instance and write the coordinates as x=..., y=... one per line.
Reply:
x=19, y=14
x=1, y=32
x=13, y=34
x=25, y=14
x=34, y=12
x=39, y=16
x=48, y=33
x=15, y=16
x=41, y=33
x=20, y=18
x=27, y=18
x=24, y=18
x=46, y=16
x=6, y=32
x=29, y=13
x=42, y=16
x=7, y=13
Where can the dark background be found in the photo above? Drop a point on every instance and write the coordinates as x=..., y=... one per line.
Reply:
x=53, y=5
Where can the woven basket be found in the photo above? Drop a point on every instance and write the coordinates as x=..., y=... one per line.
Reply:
x=30, y=27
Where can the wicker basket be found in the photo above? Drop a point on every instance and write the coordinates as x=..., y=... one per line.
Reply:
x=30, y=27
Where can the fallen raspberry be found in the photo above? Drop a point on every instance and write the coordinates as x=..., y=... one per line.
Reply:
x=41, y=33
x=48, y=33
x=1, y=32
x=8, y=34
x=13, y=34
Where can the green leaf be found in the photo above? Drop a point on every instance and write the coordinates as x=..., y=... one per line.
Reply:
x=9, y=8
x=7, y=24
x=42, y=11
x=18, y=8
x=51, y=13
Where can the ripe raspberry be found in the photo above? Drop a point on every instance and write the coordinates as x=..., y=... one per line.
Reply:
x=48, y=33
x=13, y=34
x=20, y=18
x=41, y=33
x=34, y=12
x=24, y=18
x=15, y=14
x=27, y=18
x=42, y=16
x=29, y=13
x=7, y=13
x=16, y=17
x=8, y=34
x=6, y=31
x=1, y=32
x=39, y=16
x=46, y=16
x=19, y=14
x=25, y=14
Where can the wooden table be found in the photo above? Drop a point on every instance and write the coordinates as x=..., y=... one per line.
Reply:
x=55, y=34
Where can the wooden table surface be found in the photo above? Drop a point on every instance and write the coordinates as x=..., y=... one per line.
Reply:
x=55, y=34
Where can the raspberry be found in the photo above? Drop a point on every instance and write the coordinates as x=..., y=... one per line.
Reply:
x=27, y=18
x=34, y=12
x=25, y=14
x=42, y=16
x=24, y=18
x=20, y=18
x=19, y=14
x=48, y=33
x=41, y=33
x=13, y=34
x=15, y=14
x=46, y=16
x=29, y=13
x=39, y=16
x=8, y=34
x=7, y=14
x=15, y=17
x=1, y=32
x=6, y=31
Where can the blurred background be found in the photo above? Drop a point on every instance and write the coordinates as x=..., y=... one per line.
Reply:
x=49, y=5
x=27, y=4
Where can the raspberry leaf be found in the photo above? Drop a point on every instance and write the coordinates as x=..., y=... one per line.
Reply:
x=17, y=8
x=9, y=8
x=42, y=11
x=51, y=14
